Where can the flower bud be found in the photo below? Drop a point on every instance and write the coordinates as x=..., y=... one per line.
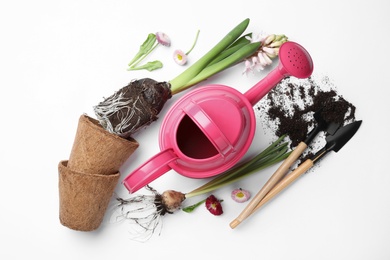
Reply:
x=269, y=51
x=163, y=39
x=269, y=39
x=281, y=37
x=267, y=59
x=276, y=44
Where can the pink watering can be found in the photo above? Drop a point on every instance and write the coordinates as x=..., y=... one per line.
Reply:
x=209, y=129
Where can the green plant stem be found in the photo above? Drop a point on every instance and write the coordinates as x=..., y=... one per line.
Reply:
x=192, y=71
x=134, y=66
x=151, y=65
x=254, y=168
x=193, y=45
x=275, y=153
x=258, y=159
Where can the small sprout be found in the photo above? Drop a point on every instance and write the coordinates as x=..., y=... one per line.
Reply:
x=180, y=57
x=151, y=42
x=240, y=195
x=191, y=208
x=214, y=205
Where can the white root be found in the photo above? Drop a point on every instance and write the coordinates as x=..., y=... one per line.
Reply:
x=146, y=211
x=124, y=108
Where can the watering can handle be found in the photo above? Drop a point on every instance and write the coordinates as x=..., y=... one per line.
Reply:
x=209, y=128
x=150, y=170
x=260, y=89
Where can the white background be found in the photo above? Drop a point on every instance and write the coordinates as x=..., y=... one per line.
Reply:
x=60, y=58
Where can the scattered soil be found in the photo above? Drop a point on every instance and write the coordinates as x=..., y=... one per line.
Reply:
x=289, y=109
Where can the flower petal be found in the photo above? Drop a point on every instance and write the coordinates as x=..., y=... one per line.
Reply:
x=270, y=51
x=248, y=67
x=180, y=57
x=267, y=59
x=163, y=39
x=255, y=37
x=214, y=205
x=264, y=59
x=256, y=64
x=240, y=195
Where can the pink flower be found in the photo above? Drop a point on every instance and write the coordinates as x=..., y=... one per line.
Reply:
x=256, y=65
x=240, y=195
x=163, y=39
x=255, y=38
x=214, y=205
x=248, y=67
x=264, y=59
x=180, y=57
x=270, y=51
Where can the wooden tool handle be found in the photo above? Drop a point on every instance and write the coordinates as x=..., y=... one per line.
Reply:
x=285, y=182
x=275, y=178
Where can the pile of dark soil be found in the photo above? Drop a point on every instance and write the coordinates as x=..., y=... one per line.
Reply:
x=289, y=109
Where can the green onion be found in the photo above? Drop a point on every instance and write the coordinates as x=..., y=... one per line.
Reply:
x=181, y=82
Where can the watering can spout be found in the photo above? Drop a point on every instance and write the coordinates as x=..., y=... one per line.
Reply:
x=294, y=61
